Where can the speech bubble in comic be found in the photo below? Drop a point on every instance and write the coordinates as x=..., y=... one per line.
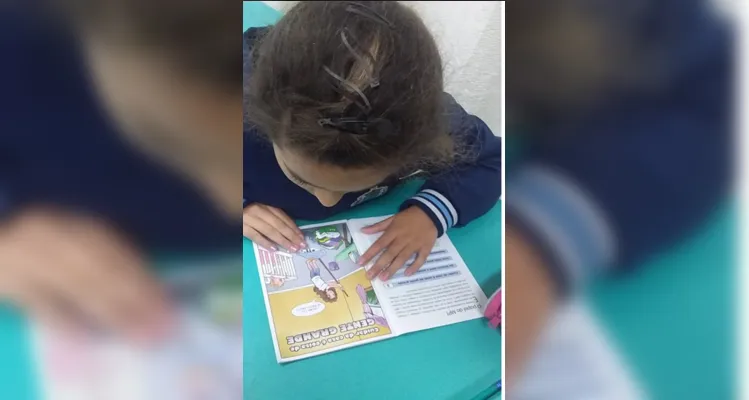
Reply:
x=308, y=309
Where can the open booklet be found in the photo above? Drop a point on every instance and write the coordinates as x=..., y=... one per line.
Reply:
x=319, y=299
x=202, y=360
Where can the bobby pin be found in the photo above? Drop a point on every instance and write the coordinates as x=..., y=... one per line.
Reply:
x=368, y=12
x=367, y=104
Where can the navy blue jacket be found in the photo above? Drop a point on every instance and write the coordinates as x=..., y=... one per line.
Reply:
x=57, y=148
x=450, y=198
x=607, y=191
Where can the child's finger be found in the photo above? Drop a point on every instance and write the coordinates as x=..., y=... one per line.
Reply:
x=280, y=232
x=121, y=304
x=138, y=289
x=20, y=292
x=379, y=245
x=100, y=311
x=378, y=227
x=39, y=306
x=266, y=231
x=287, y=220
x=141, y=305
x=421, y=258
x=128, y=299
x=274, y=235
x=246, y=229
x=22, y=284
x=385, y=260
x=397, y=264
x=258, y=238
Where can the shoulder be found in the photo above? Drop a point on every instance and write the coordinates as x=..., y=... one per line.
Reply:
x=464, y=126
x=258, y=151
x=253, y=140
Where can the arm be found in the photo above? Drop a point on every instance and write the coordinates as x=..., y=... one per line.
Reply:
x=470, y=189
x=529, y=299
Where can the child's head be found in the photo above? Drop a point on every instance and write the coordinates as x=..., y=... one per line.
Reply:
x=327, y=63
x=328, y=295
x=168, y=74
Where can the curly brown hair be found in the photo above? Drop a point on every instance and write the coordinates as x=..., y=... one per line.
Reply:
x=324, y=296
x=326, y=63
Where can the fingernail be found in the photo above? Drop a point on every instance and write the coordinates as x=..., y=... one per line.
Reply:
x=302, y=245
x=274, y=248
x=384, y=276
x=294, y=249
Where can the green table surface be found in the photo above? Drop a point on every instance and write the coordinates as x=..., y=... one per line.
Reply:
x=17, y=376
x=454, y=362
x=673, y=317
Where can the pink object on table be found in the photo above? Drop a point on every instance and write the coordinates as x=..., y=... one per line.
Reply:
x=493, y=311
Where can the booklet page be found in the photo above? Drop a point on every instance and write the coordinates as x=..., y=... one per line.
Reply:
x=442, y=292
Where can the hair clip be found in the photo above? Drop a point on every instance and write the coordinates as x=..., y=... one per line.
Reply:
x=368, y=12
x=356, y=126
x=373, y=81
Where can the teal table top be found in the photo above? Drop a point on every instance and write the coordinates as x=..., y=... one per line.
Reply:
x=17, y=376
x=673, y=317
x=450, y=363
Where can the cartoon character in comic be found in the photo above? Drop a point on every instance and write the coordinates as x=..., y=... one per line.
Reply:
x=371, y=305
x=328, y=237
x=326, y=290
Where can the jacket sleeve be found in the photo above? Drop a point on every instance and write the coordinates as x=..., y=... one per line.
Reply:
x=468, y=190
x=634, y=183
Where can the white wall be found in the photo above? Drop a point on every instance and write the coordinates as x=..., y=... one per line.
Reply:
x=469, y=34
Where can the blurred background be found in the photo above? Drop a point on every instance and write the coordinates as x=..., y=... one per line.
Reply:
x=120, y=165
x=594, y=90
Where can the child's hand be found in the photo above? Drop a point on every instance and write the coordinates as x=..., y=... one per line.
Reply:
x=407, y=233
x=67, y=269
x=266, y=225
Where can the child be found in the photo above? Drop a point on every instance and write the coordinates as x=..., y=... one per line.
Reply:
x=629, y=144
x=344, y=100
x=78, y=205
